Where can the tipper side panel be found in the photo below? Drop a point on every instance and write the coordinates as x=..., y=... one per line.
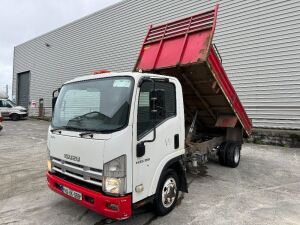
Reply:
x=180, y=42
x=183, y=49
x=228, y=90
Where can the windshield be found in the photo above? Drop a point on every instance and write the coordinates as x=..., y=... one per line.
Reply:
x=99, y=105
x=11, y=103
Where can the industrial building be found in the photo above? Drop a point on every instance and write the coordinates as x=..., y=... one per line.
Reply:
x=258, y=42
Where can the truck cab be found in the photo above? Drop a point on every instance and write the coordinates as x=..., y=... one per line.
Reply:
x=120, y=134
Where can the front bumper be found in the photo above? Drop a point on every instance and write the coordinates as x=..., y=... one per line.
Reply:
x=24, y=115
x=94, y=200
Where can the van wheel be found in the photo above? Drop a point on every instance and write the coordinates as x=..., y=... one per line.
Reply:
x=233, y=155
x=15, y=117
x=167, y=193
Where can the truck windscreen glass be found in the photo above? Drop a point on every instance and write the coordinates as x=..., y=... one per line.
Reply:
x=98, y=105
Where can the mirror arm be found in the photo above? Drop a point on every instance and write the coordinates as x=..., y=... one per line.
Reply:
x=141, y=146
x=153, y=121
x=154, y=134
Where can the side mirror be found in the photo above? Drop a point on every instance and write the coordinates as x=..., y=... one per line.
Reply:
x=54, y=98
x=140, y=149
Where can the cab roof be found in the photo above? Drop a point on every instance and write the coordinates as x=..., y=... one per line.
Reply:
x=135, y=75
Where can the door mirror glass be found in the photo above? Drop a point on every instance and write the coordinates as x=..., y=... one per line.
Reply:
x=157, y=103
x=54, y=98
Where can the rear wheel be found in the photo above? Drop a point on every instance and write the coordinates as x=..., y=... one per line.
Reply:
x=15, y=117
x=166, y=194
x=229, y=154
x=233, y=155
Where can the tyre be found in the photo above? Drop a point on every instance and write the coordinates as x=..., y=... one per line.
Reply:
x=233, y=155
x=15, y=117
x=222, y=153
x=166, y=194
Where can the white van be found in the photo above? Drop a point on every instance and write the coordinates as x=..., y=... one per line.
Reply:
x=11, y=110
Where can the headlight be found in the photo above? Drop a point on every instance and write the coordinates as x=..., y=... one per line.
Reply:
x=114, y=176
x=49, y=164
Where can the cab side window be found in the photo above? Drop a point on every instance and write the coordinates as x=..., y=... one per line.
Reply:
x=144, y=117
x=1, y=103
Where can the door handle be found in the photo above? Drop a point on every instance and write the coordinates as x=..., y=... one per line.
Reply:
x=176, y=141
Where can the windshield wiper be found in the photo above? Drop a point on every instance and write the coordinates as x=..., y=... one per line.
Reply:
x=83, y=134
x=56, y=129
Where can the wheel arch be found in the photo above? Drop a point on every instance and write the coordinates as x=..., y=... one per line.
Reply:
x=14, y=114
x=177, y=164
x=179, y=168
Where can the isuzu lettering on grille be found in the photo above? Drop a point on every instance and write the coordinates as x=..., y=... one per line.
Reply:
x=72, y=157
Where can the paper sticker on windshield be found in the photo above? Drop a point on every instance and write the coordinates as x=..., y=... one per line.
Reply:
x=122, y=83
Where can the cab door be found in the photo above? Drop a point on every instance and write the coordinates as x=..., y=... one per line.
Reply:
x=146, y=169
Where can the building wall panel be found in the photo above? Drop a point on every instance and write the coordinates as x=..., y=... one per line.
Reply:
x=258, y=41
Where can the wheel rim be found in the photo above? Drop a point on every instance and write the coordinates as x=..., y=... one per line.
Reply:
x=236, y=155
x=169, y=192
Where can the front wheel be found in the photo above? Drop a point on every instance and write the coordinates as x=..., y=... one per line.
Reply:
x=166, y=194
x=15, y=117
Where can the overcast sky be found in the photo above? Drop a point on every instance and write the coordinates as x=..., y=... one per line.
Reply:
x=22, y=20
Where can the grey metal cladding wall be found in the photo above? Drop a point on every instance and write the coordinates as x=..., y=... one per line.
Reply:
x=258, y=41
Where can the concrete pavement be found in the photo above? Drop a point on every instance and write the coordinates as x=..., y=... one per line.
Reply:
x=263, y=190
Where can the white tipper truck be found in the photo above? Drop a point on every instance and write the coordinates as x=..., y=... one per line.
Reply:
x=120, y=140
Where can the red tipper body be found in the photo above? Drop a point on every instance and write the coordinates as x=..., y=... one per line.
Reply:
x=94, y=200
x=184, y=49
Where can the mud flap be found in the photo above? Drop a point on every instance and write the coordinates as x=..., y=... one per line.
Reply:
x=182, y=176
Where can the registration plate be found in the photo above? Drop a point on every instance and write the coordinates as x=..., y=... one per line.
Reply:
x=71, y=193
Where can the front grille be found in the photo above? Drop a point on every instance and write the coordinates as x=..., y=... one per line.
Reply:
x=83, y=173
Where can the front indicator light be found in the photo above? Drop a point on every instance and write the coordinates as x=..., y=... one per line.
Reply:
x=112, y=206
x=49, y=164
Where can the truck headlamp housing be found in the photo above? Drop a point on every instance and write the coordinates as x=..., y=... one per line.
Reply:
x=114, y=176
x=49, y=162
x=49, y=165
